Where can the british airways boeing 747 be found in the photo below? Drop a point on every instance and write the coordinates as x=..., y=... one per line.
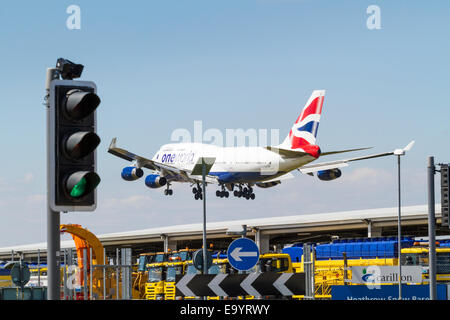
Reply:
x=239, y=169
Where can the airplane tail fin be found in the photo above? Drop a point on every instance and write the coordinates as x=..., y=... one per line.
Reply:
x=304, y=131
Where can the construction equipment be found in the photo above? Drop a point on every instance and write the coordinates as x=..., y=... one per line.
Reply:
x=84, y=239
x=141, y=276
x=333, y=261
x=154, y=287
x=172, y=270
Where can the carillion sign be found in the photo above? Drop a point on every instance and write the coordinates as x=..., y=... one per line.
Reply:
x=386, y=274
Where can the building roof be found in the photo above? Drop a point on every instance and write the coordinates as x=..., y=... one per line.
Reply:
x=381, y=217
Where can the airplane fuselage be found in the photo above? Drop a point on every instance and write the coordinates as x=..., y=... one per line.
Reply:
x=232, y=164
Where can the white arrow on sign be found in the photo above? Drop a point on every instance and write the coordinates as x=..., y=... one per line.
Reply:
x=247, y=284
x=236, y=254
x=182, y=285
x=280, y=284
x=214, y=285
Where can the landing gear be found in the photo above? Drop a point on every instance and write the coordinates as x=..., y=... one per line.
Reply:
x=197, y=192
x=168, y=191
x=245, y=192
x=222, y=193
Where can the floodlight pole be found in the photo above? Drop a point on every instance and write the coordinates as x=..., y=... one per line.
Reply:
x=399, y=235
x=53, y=217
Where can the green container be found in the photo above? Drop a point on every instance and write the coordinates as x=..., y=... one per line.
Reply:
x=39, y=293
x=29, y=293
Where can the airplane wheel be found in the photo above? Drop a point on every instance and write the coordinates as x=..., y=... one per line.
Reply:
x=170, y=192
x=227, y=194
x=252, y=196
x=217, y=193
x=240, y=194
x=200, y=196
x=245, y=190
x=165, y=192
x=236, y=193
x=194, y=190
x=247, y=197
x=196, y=196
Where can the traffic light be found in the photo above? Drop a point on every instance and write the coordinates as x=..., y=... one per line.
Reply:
x=445, y=195
x=73, y=141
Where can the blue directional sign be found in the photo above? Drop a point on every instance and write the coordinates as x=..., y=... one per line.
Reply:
x=243, y=254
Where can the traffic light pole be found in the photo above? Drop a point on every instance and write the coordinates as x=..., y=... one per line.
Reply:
x=53, y=217
x=205, y=267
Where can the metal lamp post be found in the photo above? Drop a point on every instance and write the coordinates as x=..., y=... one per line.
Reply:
x=399, y=153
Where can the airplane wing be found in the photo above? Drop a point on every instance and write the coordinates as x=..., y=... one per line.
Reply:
x=275, y=181
x=165, y=169
x=308, y=169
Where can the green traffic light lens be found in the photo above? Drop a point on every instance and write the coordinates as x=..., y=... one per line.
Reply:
x=82, y=183
x=79, y=189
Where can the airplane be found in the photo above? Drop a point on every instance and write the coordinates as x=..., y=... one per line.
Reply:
x=239, y=169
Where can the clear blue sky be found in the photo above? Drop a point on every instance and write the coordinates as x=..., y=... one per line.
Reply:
x=160, y=65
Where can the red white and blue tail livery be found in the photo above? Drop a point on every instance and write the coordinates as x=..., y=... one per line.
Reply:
x=238, y=169
x=304, y=130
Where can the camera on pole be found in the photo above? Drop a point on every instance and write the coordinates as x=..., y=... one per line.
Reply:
x=73, y=140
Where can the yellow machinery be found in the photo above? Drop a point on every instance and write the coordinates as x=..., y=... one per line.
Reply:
x=5, y=278
x=418, y=256
x=84, y=239
x=154, y=287
x=172, y=270
x=335, y=271
x=141, y=276
x=275, y=262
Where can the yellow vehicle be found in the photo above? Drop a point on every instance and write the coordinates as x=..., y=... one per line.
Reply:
x=182, y=255
x=418, y=256
x=5, y=278
x=154, y=288
x=274, y=262
x=172, y=270
x=141, y=276
x=334, y=271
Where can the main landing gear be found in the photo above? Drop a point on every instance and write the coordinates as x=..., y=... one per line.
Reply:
x=222, y=193
x=245, y=192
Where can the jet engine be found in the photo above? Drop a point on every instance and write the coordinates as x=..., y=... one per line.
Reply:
x=328, y=175
x=155, y=181
x=132, y=173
